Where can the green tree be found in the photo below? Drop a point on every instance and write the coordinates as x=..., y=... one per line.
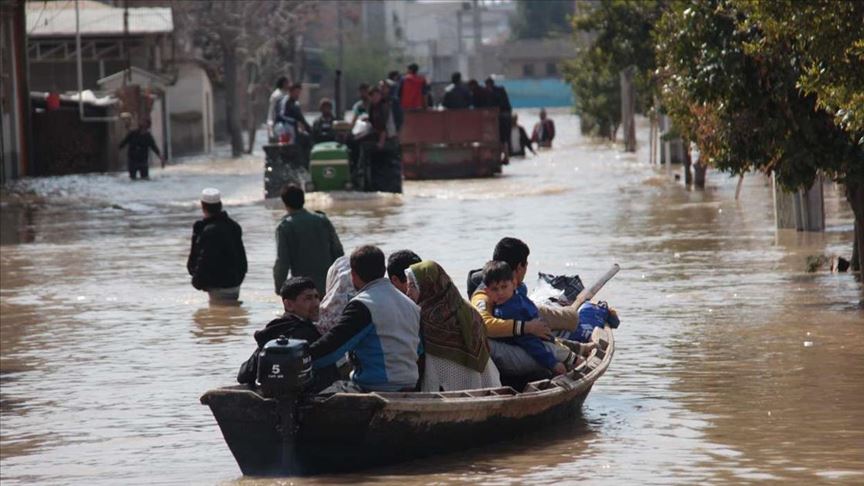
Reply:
x=535, y=19
x=620, y=33
x=362, y=63
x=736, y=88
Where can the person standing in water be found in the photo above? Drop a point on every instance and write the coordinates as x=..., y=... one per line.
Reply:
x=140, y=142
x=306, y=242
x=217, y=260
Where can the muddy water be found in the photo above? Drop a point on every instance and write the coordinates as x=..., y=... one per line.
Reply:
x=733, y=364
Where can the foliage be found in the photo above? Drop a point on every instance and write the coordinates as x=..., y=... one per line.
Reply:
x=255, y=37
x=362, y=63
x=540, y=19
x=619, y=33
x=736, y=96
x=828, y=38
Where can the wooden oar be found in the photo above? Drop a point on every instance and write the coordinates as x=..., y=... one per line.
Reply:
x=589, y=292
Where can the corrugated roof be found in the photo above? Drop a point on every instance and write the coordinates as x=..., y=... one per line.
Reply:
x=57, y=19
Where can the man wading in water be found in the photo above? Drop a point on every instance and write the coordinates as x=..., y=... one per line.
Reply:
x=217, y=260
x=140, y=141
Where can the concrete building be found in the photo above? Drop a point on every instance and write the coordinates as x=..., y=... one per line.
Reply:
x=14, y=97
x=443, y=37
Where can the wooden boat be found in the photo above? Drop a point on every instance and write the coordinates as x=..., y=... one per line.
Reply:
x=349, y=431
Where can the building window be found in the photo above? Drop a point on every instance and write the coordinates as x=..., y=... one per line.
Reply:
x=551, y=69
x=528, y=70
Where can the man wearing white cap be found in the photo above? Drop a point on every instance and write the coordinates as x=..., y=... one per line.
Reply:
x=217, y=260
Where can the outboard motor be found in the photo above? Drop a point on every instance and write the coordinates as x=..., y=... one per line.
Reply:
x=284, y=371
x=284, y=367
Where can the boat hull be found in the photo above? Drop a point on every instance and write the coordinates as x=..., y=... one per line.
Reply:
x=347, y=431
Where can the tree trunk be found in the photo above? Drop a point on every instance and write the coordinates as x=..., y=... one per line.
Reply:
x=231, y=108
x=688, y=161
x=855, y=196
x=251, y=121
x=699, y=170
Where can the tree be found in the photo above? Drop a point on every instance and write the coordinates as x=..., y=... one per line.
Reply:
x=736, y=85
x=239, y=38
x=620, y=33
x=537, y=20
x=362, y=63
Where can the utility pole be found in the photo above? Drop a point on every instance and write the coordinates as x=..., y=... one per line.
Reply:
x=340, y=88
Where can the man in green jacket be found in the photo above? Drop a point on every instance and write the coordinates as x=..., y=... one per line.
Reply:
x=306, y=243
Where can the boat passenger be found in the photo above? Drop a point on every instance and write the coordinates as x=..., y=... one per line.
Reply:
x=512, y=302
x=300, y=302
x=544, y=130
x=397, y=263
x=340, y=290
x=380, y=327
x=454, y=338
x=511, y=359
x=306, y=242
x=322, y=128
x=217, y=259
x=519, y=140
x=395, y=81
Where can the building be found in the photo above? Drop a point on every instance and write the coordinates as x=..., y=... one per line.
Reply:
x=444, y=37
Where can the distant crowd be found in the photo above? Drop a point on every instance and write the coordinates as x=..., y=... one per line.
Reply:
x=378, y=113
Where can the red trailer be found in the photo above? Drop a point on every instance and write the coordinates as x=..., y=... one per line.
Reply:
x=450, y=144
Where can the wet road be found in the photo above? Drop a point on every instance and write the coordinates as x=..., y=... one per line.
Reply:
x=733, y=364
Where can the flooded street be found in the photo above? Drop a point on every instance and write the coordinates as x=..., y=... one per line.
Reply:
x=732, y=363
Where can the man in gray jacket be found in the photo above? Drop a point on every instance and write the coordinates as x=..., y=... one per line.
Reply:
x=380, y=327
x=306, y=243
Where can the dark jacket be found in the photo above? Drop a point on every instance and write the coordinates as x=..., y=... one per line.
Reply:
x=457, y=96
x=139, y=143
x=500, y=99
x=288, y=111
x=306, y=246
x=293, y=327
x=217, y=259
x=322, y=130
x=524, y=142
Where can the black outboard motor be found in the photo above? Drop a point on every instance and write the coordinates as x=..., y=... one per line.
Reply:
x=284, y=367
x=284, y=371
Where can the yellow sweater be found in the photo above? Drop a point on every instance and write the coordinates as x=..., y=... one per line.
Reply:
x=495, y=327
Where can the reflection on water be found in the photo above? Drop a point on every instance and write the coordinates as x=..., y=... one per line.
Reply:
x=733, y=364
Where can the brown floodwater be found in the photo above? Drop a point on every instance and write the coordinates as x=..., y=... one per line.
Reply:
x=733, y=364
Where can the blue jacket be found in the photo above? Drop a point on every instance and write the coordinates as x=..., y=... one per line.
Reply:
x=521, y=308
x=380, y=327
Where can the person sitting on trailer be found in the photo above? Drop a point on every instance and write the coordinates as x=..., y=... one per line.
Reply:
x=380, y=328
x=544, y=131
x=277, y=94
x=519, y=140
x=456, y=95
x=300, y=301
x=361, y=106
x=322, y=128
x=290, y=115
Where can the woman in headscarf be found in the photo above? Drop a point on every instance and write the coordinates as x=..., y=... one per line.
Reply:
x=454, y=337
x=340, y=290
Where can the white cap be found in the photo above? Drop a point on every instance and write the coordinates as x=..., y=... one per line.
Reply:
x=211, y=195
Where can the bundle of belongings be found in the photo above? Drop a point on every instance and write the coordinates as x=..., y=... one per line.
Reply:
x=563, y=290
